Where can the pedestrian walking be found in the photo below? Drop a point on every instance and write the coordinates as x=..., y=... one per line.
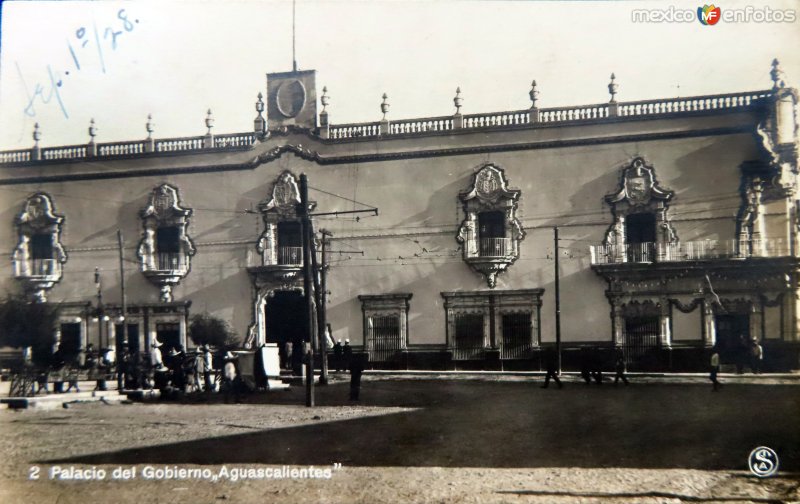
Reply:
x=337, y=355
x=347, y=354
x=714, y=370
x=356, y=367
x=586, y=365
x=756, y=357
x=551, y=366
x=619, y=366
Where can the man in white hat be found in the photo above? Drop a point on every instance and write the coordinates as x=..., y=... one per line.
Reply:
x=157, y=365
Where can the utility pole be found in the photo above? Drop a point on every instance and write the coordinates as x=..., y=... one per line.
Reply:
x=322, y=315
x=123, y=317
x=558, y=300
x=307, y=285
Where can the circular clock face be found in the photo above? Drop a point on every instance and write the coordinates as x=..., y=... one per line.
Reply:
x=291, y=98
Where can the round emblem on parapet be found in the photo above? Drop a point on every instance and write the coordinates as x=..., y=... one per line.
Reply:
x=763, y=462
x=291, y=98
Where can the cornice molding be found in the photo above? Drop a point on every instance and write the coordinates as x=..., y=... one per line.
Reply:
x=308, y=154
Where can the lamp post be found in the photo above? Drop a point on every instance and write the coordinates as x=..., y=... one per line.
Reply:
x=102, y=318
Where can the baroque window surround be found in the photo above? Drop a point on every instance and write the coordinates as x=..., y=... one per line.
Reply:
x=38, y=217
x=274, y=270
x=492, y=305
x=165, y=270
x=490, y=193
x=385, y=305
x=639, y=192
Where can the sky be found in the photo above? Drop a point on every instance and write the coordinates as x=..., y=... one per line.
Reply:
x=64, y=63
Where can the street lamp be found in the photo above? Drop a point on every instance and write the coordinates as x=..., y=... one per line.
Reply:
x=101, y=318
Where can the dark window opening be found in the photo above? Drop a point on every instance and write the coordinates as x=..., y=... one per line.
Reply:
x=640, y=236
x=133, y=338
x=168, y=240
x=640, y=347
x=70, y=340
x=517, y=341
x=290, y=243
x=492, y=234
x=384, y=337
x=469, y=336
x=42, y=246
x=640, y=228
x=169, y=335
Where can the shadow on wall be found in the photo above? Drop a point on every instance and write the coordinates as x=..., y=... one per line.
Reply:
x=233, y=293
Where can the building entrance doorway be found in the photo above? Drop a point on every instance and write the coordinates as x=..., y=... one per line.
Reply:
x=641, y=342
x=733, y=336
x=285, y=322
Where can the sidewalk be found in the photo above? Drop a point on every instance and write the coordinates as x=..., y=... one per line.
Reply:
x=574, y=376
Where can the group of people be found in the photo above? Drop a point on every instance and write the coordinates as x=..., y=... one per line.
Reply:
x=591, y=365
x=179, y=372
x=752, y=353
x=342, y=355
x=67, y=367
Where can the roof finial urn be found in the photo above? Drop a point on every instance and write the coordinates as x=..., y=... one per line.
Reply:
x=149, y=126
x=458, y=101
x=325, y=99
x=612, y=89
x=37, y=134
x=92, y=130
x=776, y=74
x=209, y=121
x=385, y=106
x=534, y=94
x=260, y=103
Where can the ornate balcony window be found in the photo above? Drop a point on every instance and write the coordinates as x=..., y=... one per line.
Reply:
x=280, y=246
x=165, y=250
x=641, y=231
x=38, y=255
x=490, y=232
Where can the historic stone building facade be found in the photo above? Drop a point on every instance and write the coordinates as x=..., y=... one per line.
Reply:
x=677, y=229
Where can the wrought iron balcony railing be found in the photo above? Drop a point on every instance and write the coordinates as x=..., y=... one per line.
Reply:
x=494, y=247
x=688, y=251
x=37, y=268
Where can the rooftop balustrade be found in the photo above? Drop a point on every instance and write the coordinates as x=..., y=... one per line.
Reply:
x=526, y=118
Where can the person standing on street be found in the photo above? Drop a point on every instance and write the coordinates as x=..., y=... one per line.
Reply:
x=619, y=365
x=337, y=355
x=356, y=367
x=551, y=366
x=347, y=353
x=714, y=370
x=208, y=367
x=756, y=357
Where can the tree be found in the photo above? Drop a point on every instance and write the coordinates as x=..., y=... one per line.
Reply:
x=205, y=329
x=27, y=324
